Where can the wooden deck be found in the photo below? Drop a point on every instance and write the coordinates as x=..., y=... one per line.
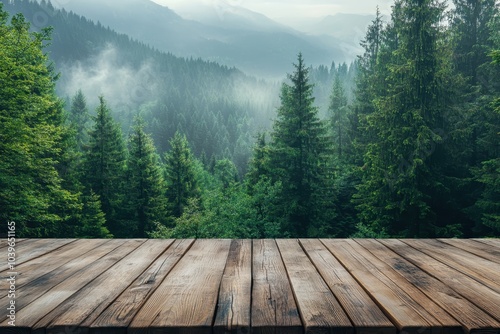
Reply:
x=68, y=286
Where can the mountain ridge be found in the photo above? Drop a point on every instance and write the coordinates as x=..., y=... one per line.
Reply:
x=264, y=52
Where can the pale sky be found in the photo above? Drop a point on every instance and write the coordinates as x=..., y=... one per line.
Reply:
x=289, y=11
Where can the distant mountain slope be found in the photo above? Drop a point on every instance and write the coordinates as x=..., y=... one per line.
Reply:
x=218, y=108
x=241, y=38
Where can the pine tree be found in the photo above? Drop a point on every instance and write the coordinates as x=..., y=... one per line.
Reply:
x=403, y=189
x=369, y=85
x=299, y=158
x=80, y=118
x=104, y=166
x=32, y=134
x=145, y=184
x=180, y=175
x=92, y=219
x=487, y=208
x=472, y=33
x=259, y=164
x=339, y=114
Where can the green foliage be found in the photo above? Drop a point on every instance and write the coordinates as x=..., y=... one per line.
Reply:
x=92, y=219
x=300, y=158
x=403, y=176
x=180, y=177
x=31, y=134
x=104, y=167
x=339, y=116
x=414, y=153
x=145, y=190
x=79, y=117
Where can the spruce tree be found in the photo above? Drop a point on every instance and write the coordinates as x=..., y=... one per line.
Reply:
x=369, y=85
x=92, y=219
x=339, y=114
x=145, y=184
x=406, y=176
x=487, y=208
x=32, y=134
x=80, y=119
x=104, y=167
x=180, y=174
x=300, y=155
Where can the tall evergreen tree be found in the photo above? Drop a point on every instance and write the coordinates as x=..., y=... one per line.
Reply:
x=180, y=175
x=487, y=208
x=369, y=85
x=92, y=219
x=472, y=33
x=104, y=166
x=80, y=118
x=403, y=188
x=31, y=134
x=300, y=156
x=145, y=184
x=339, y=115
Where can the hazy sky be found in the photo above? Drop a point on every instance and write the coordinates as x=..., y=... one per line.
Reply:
x=288, y=11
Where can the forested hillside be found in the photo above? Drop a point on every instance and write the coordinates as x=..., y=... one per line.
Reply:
x=213, y=105
x=404, y=142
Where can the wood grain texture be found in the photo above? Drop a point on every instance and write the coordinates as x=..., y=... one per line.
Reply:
x=483, y=271
x=47, y=301
x=363, y=312
x=233, y=309
x=319, y=309
x=186, y=300
x=468, y=315
x=5, y=243
x=39, y=266
x=36, y=247
x=83, y=307
x=256, y=286
x=475, y=247
x=403, y=310
x=491, y=242
x=273, y=306
x=42, y=284
x=119, y=314
x=488, y=300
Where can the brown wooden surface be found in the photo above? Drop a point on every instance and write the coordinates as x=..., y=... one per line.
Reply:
x=235, y=295
x=362, y=286
x=273, y=306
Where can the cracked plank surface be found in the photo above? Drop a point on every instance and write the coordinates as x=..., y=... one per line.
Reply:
x=361, y=286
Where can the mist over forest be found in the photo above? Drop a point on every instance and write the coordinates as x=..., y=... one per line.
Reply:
x=131, y=119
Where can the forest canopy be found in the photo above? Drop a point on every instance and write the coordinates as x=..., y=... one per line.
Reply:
x=404, y=142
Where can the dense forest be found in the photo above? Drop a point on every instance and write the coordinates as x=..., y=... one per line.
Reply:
x=404, y=142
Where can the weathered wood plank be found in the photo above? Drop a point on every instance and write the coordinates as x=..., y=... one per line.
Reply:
x=35, y=248
x=483, y=271
x=437, y=317
x=233, y=309
x=117, y=317
x=186, y=300
x=273, y=306
x=319, y=309
x=4, y=243
x=38, y=286
x=475, y=247
x=363, y=312
x=472, y=318
x=477, y=293
x=83, y=307
x=39, y=266
x=491, y=242
x=50, y=299
x=398, y=302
